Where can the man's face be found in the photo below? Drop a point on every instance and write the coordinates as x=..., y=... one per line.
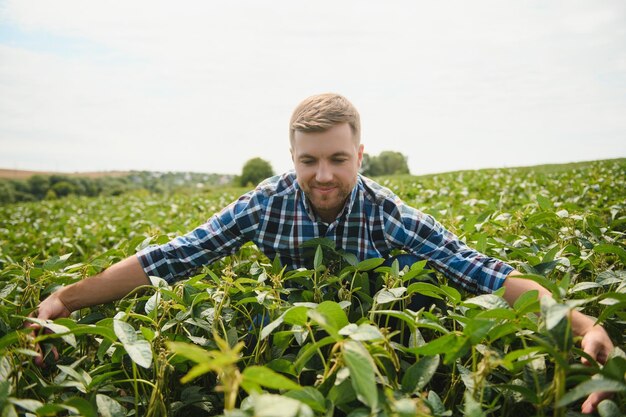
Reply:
x=327, y=164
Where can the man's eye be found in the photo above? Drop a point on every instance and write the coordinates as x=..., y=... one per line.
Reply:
x=307, y=162
x=339, y=161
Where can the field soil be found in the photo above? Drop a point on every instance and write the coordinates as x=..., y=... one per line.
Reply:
x=18, y=174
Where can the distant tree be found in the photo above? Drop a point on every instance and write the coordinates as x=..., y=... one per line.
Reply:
x=55, y=178
x=255, y=171
x=22, y=190
x=38, y=185
x=387, y=163
x=393, y=163
x=7, y=192
x=63, y=188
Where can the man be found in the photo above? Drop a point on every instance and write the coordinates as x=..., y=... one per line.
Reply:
x=325, y=197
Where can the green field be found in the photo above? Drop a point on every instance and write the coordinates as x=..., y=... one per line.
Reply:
x=238, y=340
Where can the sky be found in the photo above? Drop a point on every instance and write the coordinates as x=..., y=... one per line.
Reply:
x=205, y=86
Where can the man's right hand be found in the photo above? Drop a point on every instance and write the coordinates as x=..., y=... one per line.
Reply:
x=49, y=309
x=52, y=308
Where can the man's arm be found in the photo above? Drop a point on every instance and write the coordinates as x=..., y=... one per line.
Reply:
x=596, y=342
x=111, y=284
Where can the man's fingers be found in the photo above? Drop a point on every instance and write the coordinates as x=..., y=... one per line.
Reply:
x=40, y=360
x=36, y=329
x=597, y=344
x=591, y=403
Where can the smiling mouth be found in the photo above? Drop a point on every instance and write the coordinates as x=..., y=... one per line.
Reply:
x=324, y=190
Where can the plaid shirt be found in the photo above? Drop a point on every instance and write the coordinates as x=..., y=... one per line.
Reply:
x=276, y=216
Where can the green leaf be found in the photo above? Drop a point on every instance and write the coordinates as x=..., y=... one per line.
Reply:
x=9, y=339
x=405, y=407
x=148, y=333
x=369, y=264
x=614, y=249
x=497, y=313
x=350, y=258
x=362, y=373
x=528, y=394
x=360, y=412
x=271, y=405
x=95, y=330
x=324, y=242
x=611, y=310
x=309, y=350
x=267, y=330
x=188, y=351
x=73, y=373
x=588, y=387
x=342, y=394
x=452, y=293
x=5, y=391
x=615, y=368
x=296, y=315
x=333, y=313
x=553, y=312
x=501, y=330
x=487, y=301
x=310, y=396
x=54, y=409
x=402, y=315
x=437, y=346
x=55, y=263
x=362, y=332
x=58, y=330
x=528, y=302
x=389, y=295
x=108, y=407
x=477, y=329
x=198, y=370
x=265, y=377
x=419, y=374
x=544, y=203
x=425, y=289
x=437, y=405
x=584, y=286
x=607, y=408
x=137, y=348
x=319, y=257
x=549, y=256
x=610, y=277
x=544, y=268
x=26, y=404
x=472, y=408
x=481, y=243
x=283, y=366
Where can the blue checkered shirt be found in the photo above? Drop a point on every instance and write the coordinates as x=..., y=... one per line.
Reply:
x=276, y=216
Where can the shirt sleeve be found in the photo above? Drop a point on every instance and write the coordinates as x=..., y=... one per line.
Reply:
x=220, y=236
x=422, y=235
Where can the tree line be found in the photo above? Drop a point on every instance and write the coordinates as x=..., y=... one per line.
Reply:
x=40, y=187
x=256, y=170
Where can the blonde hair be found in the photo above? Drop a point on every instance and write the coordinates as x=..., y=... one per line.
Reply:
x=323, y=111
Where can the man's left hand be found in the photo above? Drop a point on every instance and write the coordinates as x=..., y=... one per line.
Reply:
x=597, y=344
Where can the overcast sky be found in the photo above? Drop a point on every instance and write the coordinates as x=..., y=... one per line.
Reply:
x=206, y=85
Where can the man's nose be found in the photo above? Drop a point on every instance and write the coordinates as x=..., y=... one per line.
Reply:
x=324, y=173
